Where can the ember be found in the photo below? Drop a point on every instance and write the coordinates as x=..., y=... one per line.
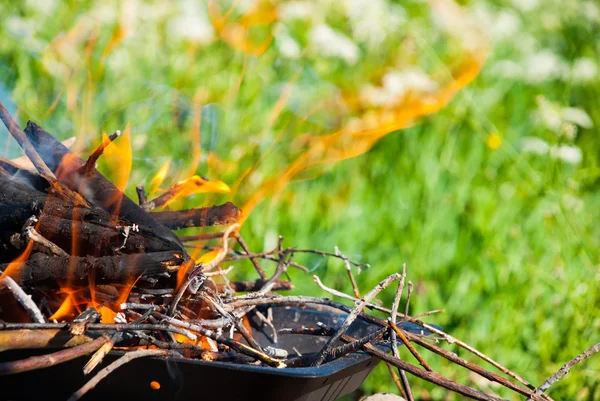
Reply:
x=93, y=272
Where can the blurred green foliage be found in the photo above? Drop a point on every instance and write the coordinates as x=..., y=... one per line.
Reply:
x=496, y=228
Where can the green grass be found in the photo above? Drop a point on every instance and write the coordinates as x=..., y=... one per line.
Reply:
x=506, y=241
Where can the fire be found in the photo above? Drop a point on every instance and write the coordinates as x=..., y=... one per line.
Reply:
x=193, y=185
x=160, y=176
x=359, y=137
x=358, y=126
x=118, y=158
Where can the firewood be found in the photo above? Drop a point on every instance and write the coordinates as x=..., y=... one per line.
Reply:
x=77, y=230
x=99, y=191
x=226, y=213
x=98, y=238
x=45, y=271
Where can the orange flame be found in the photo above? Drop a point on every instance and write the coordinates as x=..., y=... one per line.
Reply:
x=160, y=176
x=360, y=138
x=193, y=185
x=237, y=33
x=118, y=157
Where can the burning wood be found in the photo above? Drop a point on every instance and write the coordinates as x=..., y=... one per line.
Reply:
x=93, y=271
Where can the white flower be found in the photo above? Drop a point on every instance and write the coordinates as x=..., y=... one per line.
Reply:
x=505, y=25
x=295, y=10
x=566, y=153
x=501, y=25
x=543, y=66
x=286, y=45
x=526, y=5
x=330, y=43
x=590, y=10
x=192, y=23
x=577, y=116
x=396, y=84
x=372, y=21
x=45, y=7
x=506, y=69
x=549, y=113
x=452, y=19
x=584, y=70
x=531, y=144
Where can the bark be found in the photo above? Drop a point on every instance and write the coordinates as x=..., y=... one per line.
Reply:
x=45, y=271
x=94, y=187
x=224, y=214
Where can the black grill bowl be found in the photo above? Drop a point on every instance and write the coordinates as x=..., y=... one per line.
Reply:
x=190, y=379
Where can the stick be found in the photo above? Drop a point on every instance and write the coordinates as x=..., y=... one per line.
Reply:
x=24, y=300
x=279, y=252
x=99, y=355
x=403, y=378
x=44, y=361
x=237, y=346
x=398, y=383
x=353, y=315
x=410, y=290
x=40, y=239
x=431, y=377
x=141, y=193
x=39, y=338
x=452, y=357
x=130, y=356
x=224, y=214
x=101, y=326
x=257, y=266
x=90, y=164
x=346, y=296
x=349, y=270
x=249, y=286
x=564, y=370
x=22, y=140
x=412, y=349
x=342, y=350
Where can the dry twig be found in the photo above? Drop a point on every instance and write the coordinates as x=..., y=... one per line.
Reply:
x=564, y=370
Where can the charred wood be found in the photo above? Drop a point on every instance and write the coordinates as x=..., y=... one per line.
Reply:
x=95, y=188
x=226, y=213
x=44, y=271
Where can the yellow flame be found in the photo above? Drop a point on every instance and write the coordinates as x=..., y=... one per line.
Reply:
x=119, y=158
x=160, y=176
x=353, y=141
x=65, y=311
x=193, y=185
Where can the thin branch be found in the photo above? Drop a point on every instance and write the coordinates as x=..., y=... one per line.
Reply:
x=398, y=382
x=452, y=357
x=130, y=356
x=346, y=296
x=44, y=361
x=101, y=352
x=22, y=140
x=255, y=263
x=349, y=270
x=410, y=290
x=142, y=196
x=564, y=370
x=431, y=377
x=24, y=300
x=40, y=239
x=407, y=391
x=90, y=164
x=353, y=315
x=412, y=349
